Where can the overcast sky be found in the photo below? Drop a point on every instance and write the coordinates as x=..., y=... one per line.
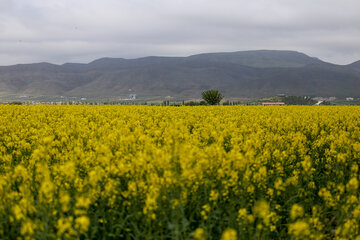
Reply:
x=60, y=31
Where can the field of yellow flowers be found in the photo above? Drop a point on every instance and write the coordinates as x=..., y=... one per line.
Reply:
x=147, y=172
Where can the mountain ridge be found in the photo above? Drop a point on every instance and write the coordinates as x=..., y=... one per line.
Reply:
x=355, y=63
x=257, y=73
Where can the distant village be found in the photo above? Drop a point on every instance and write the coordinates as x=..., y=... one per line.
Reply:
x=132, y=99
x=63, y=100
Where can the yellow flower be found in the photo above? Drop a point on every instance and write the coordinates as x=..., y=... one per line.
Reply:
x=206, y=209
x=64, y=225
x=299, y=229
x=326, y=195
x=250, y=218
x=352, y=185
x=27, y=228
x=296, y=211
x=279, y=184
x=251, y=189
x=306, y=164
x=82, y=223
x=17, y=212
x=229, y=234
x=46, y=191
x=200, y=234
x=64, y=200
x=242, y=213
x=214, y=195
x=261, y=209
x=82, y=202
x=356, y=212
x=347, y=229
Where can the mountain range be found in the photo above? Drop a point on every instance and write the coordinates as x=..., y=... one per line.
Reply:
x=259, y=73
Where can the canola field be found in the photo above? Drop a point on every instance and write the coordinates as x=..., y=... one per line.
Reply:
x=147, y=172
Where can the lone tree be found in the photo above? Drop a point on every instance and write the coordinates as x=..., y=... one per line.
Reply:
x=212, y=97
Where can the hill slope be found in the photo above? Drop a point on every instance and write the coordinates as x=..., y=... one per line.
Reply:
x=355, y=65
x=237, y=74
x=261, y=58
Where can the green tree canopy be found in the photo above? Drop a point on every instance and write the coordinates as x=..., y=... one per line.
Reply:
x=212, y=97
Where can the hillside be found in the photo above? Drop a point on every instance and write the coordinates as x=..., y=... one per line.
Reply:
x=261, y=58
x=355, y=65
x=237, y=74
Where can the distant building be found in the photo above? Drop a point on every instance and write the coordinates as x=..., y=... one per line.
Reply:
x=349, y=99
x=132, y=96
x=272, y=103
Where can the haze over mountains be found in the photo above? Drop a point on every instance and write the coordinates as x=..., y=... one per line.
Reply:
x=236, y=74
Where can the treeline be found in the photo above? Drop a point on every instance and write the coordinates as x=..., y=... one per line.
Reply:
x=297, y=100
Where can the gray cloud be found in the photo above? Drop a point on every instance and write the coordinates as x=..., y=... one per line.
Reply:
x=83, y=30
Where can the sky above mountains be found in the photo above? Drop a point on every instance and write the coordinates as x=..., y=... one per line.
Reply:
x=60, y=31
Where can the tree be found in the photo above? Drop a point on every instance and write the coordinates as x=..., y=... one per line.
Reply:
x=212, y=97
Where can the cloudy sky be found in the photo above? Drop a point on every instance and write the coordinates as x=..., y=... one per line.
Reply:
x=60, y=31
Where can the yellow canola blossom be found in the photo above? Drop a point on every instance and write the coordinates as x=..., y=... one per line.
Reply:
x=200, y=234
x=296, y=211
x=229, y=234
x=210, y=172
x=299, y=229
